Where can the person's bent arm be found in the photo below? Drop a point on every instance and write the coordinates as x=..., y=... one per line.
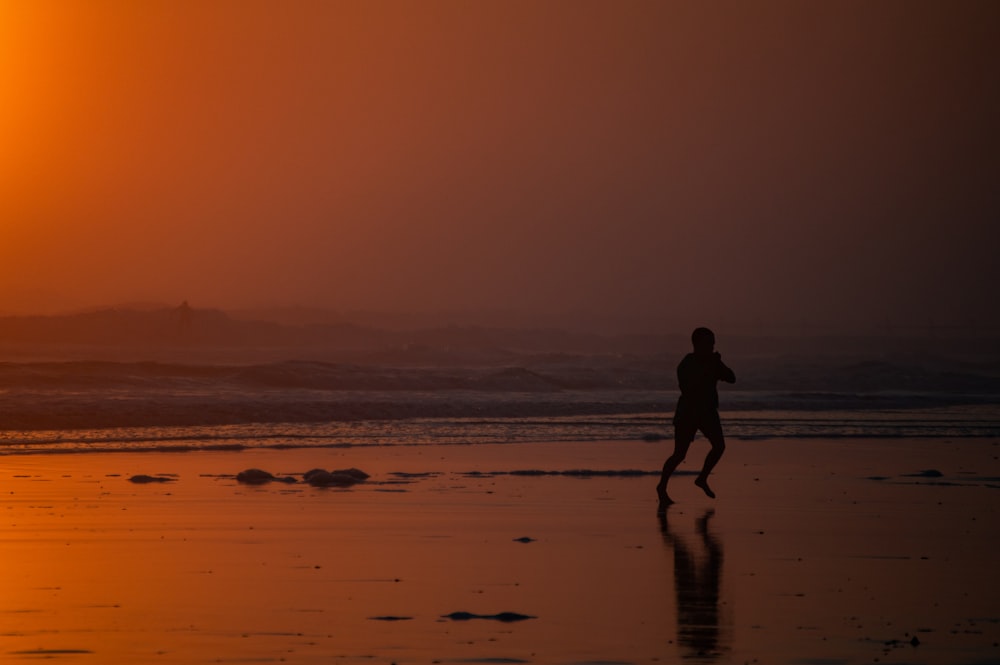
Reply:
x=725, y=374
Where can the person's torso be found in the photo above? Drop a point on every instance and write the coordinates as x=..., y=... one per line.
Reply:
x=698, y=376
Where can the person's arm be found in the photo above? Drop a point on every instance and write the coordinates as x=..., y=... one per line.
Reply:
x=725, y=374
x=684, y=375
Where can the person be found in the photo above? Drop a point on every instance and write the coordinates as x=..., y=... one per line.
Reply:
x=697, y=410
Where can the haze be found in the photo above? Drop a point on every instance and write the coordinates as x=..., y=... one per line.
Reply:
x=641, y=164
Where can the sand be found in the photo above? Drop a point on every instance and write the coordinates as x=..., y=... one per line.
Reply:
x=815, y=552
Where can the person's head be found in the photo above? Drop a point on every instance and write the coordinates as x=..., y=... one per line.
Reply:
x=703, y=340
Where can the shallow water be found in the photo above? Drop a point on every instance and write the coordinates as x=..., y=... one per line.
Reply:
x=981, y=421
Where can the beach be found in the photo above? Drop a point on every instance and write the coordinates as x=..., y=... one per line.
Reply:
x=817, y=551
x=359, y=332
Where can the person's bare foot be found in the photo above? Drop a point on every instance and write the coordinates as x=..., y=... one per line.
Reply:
x=661, y=494
x=703, y=484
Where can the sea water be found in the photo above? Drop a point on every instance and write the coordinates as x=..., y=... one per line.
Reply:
x=956, y=421
x=79, y=407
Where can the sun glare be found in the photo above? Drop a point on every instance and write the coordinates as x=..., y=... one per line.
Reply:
x=21, y=107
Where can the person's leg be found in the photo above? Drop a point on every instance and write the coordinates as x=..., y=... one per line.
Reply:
x=713, y=432
x=683, y=435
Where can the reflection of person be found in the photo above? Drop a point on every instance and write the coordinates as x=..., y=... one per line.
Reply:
x=697, y=409
x=696, y=582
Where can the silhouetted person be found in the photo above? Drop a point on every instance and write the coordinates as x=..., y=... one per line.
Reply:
x=697, y=575
x=697, y=410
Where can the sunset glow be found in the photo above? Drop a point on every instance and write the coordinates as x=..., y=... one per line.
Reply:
x=414, y=331
x=549, y=159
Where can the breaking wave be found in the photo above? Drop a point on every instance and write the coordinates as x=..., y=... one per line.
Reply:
x=90, y=406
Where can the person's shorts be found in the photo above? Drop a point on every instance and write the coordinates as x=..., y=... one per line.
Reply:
x=686, y=425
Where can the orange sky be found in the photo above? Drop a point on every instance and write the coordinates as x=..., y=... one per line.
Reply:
x=752, y=164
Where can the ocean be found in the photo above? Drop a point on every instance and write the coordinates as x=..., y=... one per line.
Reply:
x=76, y=407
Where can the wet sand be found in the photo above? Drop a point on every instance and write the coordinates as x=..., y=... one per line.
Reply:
x=815, y=552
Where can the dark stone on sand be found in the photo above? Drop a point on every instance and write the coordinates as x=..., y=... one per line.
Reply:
x=926, y=473
x=312, y=473
x=254, y=476
x=320, y=478
x=259, y=477
x=505, y=617
x=336, y=478
x=524, y=539
x=143, y=479
x=390, y=617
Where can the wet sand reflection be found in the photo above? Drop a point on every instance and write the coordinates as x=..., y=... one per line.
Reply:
x=697, y=576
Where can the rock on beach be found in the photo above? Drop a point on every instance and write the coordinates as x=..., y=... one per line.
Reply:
x=336, y=478
x=259, y=477
x=315, y=477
